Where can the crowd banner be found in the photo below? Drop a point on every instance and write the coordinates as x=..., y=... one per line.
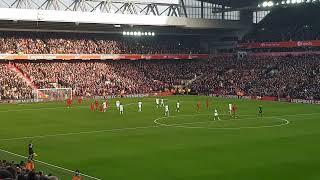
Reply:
x=279, y=54
x=304, y=101
x=20, y=101
x=101, y=56
x=283, y=44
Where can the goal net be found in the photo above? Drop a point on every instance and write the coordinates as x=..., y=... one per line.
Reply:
x=53, y=94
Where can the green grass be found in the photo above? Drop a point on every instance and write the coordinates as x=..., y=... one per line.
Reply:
x=192, y=147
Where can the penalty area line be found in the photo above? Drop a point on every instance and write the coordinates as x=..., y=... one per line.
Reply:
x=48, y=164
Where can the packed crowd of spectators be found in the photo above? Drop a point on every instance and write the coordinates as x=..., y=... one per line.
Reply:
x=12, y=86
x=47, y=43
x=91, y=78
x=22, y=171
x=294, y=77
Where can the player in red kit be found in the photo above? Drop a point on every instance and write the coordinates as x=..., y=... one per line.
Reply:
x=69, y=102
x=92, y=107
x=107, y=104
x=234, y=110
x=101, y=108
x=199, y=105
x=80, y=100
x=97, y=104
x=207, y=103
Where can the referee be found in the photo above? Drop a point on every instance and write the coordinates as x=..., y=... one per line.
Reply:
x=31, y=152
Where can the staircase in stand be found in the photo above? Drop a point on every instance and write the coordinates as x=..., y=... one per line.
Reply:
x=194, y=79
x=23, y=76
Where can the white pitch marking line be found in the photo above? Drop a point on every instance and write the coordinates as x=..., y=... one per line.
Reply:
x=74, y=133
x=55, y=166
x=77, y=133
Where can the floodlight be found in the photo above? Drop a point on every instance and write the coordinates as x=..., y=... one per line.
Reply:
x=265, y=4
x=270, y=4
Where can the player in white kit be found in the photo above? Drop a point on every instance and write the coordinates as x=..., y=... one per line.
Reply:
x=157, y=102
x=121, y=108
x=230, y=109
x=118, y=104
x=139, y=106
x=216, y=115
x=104, y=104
x=162, y=102
x=166, y=110
x=178, y=106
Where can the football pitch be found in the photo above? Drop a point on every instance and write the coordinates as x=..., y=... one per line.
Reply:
x=187, y=145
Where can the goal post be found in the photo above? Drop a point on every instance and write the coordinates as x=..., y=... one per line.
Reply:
x=53, y=94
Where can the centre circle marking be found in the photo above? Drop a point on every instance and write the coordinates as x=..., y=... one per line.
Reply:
x=185, y=125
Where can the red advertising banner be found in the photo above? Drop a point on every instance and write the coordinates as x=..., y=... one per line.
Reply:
x=286, y=44
x=278, y=54
x=100, y=56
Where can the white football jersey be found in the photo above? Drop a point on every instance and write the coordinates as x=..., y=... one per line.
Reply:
x=215, y=112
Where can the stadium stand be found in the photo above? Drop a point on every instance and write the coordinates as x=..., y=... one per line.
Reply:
x=55, y=43
x=294, y=77
x=290, y=27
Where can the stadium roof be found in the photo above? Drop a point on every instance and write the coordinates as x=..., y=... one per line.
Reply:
x=234, y=3
x=103, y=28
